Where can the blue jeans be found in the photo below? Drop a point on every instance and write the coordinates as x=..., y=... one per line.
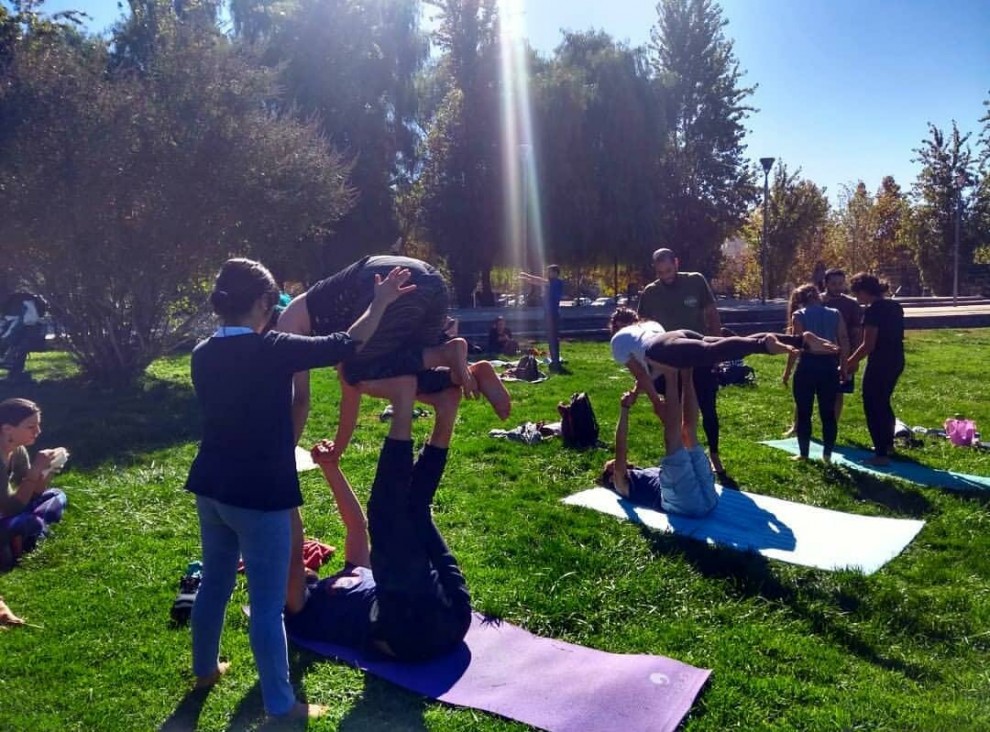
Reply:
x=263, y=538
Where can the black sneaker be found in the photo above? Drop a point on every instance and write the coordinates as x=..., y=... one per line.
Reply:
x=182, y=607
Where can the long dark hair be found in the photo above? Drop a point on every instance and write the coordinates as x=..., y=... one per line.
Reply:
x=16, y=410
x=238, y=286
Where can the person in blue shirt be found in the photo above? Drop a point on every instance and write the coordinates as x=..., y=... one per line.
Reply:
x=554, y=292
x=817, y=375
x=403, y=594
x=244, y=473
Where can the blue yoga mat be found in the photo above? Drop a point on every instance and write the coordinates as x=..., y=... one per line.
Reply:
x=775, y=528
x=851, y=458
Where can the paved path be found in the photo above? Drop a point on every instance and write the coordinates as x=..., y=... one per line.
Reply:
x=743, y=316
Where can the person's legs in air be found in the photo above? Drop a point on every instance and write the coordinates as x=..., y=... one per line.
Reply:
x=689, y=349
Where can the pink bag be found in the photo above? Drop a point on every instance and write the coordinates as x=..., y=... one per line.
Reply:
x=960, y=431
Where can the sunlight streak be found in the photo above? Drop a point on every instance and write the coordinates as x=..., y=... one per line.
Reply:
x=523, y=221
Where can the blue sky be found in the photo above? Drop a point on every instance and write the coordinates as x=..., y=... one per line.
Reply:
x=845, y=87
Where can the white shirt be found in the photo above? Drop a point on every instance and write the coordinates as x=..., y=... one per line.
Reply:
x=632, y=341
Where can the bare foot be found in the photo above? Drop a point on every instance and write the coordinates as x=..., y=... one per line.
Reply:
x=800, y=459
x=790, y=431
x=493, y=388
x=818, y=345
x=7, y=616
x=306, y=711
x=877, y=461
x=775, y=347
x=456, y=353
x=205, y=682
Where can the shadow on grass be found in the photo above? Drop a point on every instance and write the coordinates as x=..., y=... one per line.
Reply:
x=905, y=501
x=384, y=705
x=749, y=574
x=186, y=715
x=99, y=423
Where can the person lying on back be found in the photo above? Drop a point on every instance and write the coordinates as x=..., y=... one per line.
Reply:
x=683, y=483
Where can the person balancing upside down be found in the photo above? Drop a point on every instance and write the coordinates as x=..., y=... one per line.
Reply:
x=404, y=596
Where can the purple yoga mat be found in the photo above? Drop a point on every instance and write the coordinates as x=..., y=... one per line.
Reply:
x=556, y=686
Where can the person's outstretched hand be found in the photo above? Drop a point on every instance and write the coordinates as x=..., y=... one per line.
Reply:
x=628, y=399
x=393, y=286
x=325, y=454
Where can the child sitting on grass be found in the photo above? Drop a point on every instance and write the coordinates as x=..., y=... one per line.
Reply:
x=27, y=505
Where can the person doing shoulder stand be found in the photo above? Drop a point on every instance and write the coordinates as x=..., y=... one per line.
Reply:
x=244, y=474
x=404, y=596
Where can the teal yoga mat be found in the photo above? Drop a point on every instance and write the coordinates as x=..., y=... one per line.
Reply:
x=851, y=458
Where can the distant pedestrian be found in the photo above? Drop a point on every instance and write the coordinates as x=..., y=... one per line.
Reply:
x=554, y=291
x=818, y=275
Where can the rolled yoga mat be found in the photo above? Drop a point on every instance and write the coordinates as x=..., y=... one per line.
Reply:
x=851, y=458
x=774, y=528
x=545, y=683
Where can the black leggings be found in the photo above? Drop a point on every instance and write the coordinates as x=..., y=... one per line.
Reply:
x=816, y=376
x=879, y=381
x=424, y=608
x=684, y=349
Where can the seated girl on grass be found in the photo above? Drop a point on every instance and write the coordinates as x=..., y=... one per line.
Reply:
x=27, y=504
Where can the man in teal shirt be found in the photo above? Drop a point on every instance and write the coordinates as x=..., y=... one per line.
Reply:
x=684, y=301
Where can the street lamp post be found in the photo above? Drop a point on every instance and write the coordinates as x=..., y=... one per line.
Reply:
x=767, y=163
x=960, y=182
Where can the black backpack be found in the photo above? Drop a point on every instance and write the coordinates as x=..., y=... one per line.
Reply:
x=527, y=369
x=578, y=425
x=732, y=373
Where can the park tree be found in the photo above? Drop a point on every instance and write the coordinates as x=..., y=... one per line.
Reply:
x=350, y=65
x=135, y=172
x=854, y=223
x=597, y=118
x=798, y=213
x=890, y=229
x=979, y=221
x=456, y=201
x=707, y=185
x=947, y=170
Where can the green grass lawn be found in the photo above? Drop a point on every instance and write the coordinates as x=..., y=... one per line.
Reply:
x=791, y=648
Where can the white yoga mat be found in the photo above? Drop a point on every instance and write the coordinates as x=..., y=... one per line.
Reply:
x=774, y=528
x=303, y=461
